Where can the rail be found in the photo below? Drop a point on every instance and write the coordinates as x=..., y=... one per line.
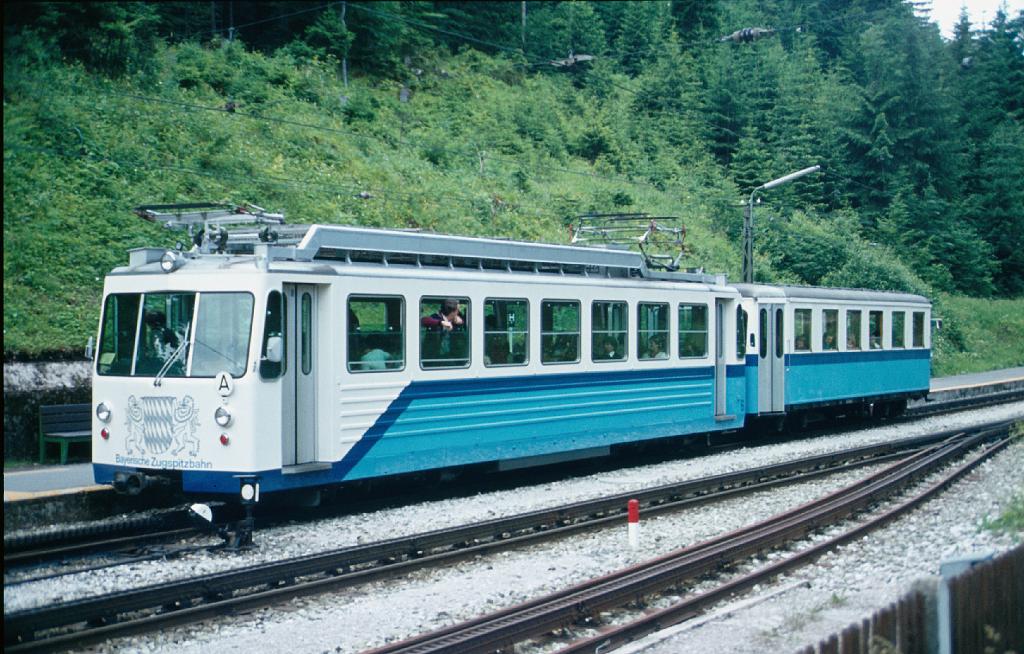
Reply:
x=184, y=601
x=502, y=630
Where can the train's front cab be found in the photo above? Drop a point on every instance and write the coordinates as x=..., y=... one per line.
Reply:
x=176, y=388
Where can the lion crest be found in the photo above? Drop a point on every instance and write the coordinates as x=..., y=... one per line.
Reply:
x=160, y=424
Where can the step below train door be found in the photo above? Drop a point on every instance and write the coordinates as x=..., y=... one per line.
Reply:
x=771, y=365
x=300, y=382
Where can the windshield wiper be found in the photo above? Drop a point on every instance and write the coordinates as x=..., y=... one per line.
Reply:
x=174, y=356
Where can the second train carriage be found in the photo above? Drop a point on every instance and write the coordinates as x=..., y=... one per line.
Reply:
x=812, y=348
x=326, y=361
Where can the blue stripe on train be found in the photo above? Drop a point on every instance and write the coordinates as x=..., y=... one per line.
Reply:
x=451, y=423
x=826, y=376
x=866, y=356
x=448, y=423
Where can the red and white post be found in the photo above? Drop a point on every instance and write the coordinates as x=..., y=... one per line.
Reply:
x=634, y=524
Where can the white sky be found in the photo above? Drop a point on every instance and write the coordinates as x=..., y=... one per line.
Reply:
x=947, y=12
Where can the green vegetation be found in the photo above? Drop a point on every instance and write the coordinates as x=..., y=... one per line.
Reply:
x=978, y=335
x=112, y=105
x=1011, y=520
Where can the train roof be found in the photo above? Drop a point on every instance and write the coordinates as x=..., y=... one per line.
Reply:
x=819, y=293
x=339, y=244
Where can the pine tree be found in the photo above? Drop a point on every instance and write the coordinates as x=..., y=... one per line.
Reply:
x=997, y=206
x=641, y=37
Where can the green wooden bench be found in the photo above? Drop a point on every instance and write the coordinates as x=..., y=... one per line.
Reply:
x=64, y=424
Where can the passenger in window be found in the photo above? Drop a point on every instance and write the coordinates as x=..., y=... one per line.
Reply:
x=609, y=349
x=851, y=343
x=374, y=358
x=496, y=354
x=830, y=342
x=876, y=342
x=564, y=349
x=654, y=349
x=164, y=340
x=801, y=343
x=445, y=341
x=447, y=318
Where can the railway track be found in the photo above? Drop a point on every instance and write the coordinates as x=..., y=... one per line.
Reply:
x=538, y=618
x=129, y=539
x=133, y=611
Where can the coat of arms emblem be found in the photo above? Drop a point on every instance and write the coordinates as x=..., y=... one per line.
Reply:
x=160, y=424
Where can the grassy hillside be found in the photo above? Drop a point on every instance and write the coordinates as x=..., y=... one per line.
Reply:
x=482, y=148
x=978, y=335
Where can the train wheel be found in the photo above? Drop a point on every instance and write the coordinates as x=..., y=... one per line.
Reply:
x=898, y=408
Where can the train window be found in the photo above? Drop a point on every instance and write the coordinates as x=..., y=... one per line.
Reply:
x=306, y=333
x=764, y=333
x=506, y=332
x=273, y=325
x=693, y=330
x=652, y=331
x=779, y=332
x=899, y=333
x=829, y=329
x=609, y=329
x=802, y=330
x=875, y=329
x=853, y=330
x=117, y=340
x=919, y=329
x=166, y=323
x=376, y=333
x=741, y=332
x=444, y=332
x=559, y=331
x=222, y=334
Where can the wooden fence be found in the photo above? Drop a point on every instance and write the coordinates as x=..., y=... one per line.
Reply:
x=988, y=606
x=986, y=613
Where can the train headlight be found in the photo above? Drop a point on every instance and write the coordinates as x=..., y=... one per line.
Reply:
x=171, y=261
x=249, y=490
x=222, y=416
x=103, y=412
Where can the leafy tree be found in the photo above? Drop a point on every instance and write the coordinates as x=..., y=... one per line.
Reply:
x=328, y=36
x=113, y=38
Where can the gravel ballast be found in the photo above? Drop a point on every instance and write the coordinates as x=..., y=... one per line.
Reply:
x=842, y=587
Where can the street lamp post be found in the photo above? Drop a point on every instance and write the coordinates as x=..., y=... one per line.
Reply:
x=748, y=219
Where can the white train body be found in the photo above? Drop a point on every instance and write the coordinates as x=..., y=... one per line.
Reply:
x=311, y=365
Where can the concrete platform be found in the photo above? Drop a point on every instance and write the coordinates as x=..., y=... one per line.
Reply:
x=48, y=480
x=978, y=379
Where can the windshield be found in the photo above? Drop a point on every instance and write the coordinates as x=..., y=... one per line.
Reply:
x=192, y=334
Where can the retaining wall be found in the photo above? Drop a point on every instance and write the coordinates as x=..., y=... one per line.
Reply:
x=27, y=386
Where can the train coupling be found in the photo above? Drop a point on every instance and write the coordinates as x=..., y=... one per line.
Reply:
x=133, y=483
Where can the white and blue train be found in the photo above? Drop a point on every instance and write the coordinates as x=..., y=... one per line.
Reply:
x=355, y=353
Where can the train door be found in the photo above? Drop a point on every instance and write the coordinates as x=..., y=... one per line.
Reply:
x=299, y=429
x=720, y=368
x=771, y=368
